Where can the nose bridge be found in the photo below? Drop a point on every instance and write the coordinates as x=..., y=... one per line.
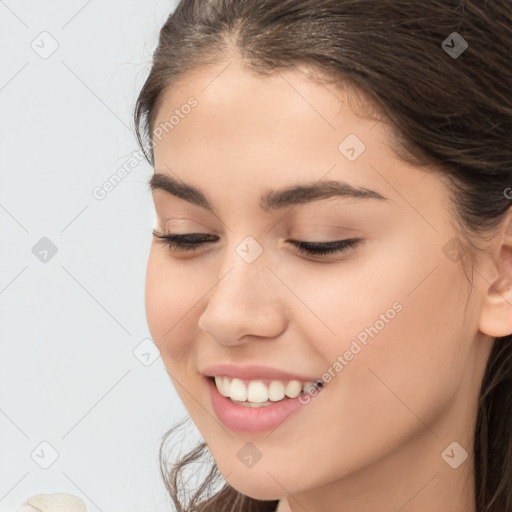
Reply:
x=243, y=300
x=243, y=273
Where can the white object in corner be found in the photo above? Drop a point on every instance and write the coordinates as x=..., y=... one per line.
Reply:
x=59, y=502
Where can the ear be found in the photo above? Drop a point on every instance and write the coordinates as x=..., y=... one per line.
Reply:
x=496, y=312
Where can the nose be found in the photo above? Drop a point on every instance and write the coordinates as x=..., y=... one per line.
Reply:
x=246, y=301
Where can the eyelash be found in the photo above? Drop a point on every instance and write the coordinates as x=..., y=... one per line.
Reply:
x=190, y=242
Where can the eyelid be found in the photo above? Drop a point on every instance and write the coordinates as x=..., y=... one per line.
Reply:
x=318, y=250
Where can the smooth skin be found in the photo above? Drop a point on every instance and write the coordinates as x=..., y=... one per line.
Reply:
x=373, y=438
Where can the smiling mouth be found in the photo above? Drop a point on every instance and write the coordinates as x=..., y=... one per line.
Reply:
x=250, y=416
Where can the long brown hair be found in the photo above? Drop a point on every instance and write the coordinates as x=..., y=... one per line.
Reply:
x=451, y=110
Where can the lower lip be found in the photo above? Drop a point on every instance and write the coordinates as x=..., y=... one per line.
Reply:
x=252, y=419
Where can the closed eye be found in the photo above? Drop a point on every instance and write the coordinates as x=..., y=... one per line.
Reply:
x=191, y=242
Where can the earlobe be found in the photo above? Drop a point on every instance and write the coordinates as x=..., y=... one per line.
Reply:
x=496, y=313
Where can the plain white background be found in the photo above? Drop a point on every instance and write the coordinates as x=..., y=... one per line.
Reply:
x=83, y=390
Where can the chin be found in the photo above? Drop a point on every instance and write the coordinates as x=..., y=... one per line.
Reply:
x=262, y=486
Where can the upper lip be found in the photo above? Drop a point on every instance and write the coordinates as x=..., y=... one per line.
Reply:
x=253, y=372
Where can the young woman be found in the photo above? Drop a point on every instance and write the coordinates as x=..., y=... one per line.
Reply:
x=330, y=280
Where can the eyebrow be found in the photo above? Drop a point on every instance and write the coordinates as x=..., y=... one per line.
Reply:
x=273, y=200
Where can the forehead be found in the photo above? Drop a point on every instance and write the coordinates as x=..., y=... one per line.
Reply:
x=227, y=87
x=283, y=118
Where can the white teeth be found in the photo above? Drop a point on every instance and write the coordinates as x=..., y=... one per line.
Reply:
x=276, y=391
x=293, y=388
x=222, y=386
x=257, y=392
x=237, y=390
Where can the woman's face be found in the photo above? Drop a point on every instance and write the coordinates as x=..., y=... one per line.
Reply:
x=387, y=324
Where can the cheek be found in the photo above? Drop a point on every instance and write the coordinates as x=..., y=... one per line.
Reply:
x=171, y=299
x=412, y=359
x=334, y=303
x=400, y=318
